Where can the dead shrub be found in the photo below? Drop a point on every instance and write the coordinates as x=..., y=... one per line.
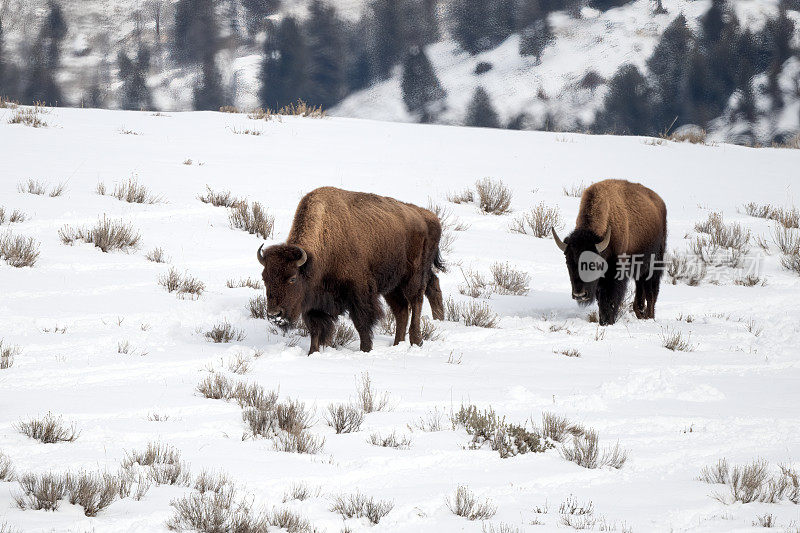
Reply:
x=7, y=355
x=299, y=442
x=368, y=399
x=157, y=255
x=475, y=285
x=470, y=313
x=93, y=492
x=32, y=187
x=576, y=515
x=343, y=335
x=538, y=221
x=753, y=483
x=160, y=464
x=302, y=109
x=750, y=281
x=18, y=251
x=131, y=191
x=293, y=417
x=680, y=268
x=182, y=284
x=107, y=235
x=358, y=505
x=216, y=512
x=787, y=217
x=427, y=329
x=766, y=520
x=42, y=492
x=464, y=503
x=47, y=429
x=300, y=492
x=787, y=240
x=716, y=474
x=290, y=521
x=584, y=450
x=464, y=197
x=344, y=418
x=28, y=116
x=390, y=441
x=447, y=219
x=6, y=468
x=252, y=218
x=240, y=363
x=431, y=422
x=229, y=109
x=254, y=395
x=690, y=135
x=250, y=283
x=508, y=280
x=208, y=481
x=719, y=243
x=559, y=428
x=219, y=199
x=17, y=216
x=569, y=352
x=574, y=191
x=493, y=196
x=258, y=307
x=216, y=386
x=261, y=422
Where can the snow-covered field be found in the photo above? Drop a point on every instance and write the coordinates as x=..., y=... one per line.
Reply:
x=734, y=396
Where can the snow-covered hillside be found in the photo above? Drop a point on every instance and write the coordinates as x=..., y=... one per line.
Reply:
x=735, y=396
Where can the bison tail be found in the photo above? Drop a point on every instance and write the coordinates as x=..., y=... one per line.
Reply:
x=438, y=262
x=434, y=295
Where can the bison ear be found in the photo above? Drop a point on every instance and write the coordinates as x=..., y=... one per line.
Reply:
x=303, y=256
x=260, y=256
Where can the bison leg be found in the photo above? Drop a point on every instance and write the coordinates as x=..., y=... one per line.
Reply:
x=651, y=288
x=434, y=294
x=610, y=293
x=415, y=332
x=320, y=328
x=364, y=312
x=639, y=299
x=399, y=306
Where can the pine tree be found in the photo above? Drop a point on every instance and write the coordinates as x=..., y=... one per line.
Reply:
x=45, y=59
x=256, y=12
x=627, y=105
x=284, y=72
x=422, y=92
x=196, y=34
x=605, y=5
x=133, y=73
x=535, y=38
x=326, y=66
x=669, y=69
x=3, y=84
x=388, y=38
x=209, y=94
x=659, y=8
x=529, y=12
x=712, y=23
x=474, y=25
x=480, y=112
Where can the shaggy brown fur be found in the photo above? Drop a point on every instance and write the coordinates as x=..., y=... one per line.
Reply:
x=635, y=217
x=358, y=246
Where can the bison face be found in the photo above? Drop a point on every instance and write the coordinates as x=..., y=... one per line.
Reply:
x=284, y=280
x=586, y=255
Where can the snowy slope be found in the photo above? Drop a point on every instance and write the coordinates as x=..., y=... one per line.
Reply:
x=549, y=91
x=676, y=412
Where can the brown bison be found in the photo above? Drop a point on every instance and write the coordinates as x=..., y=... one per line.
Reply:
x=345, y=249
x=621, y=232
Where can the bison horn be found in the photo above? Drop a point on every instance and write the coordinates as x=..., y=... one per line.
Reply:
x=601, y=246
x=559, y=242
x=303, y=258
x=261, y=257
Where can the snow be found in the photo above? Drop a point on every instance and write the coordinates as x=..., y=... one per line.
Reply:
x=735, y=396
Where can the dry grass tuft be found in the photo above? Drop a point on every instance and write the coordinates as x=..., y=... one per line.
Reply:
x=575, y=191
x=431, y=422
x=584, y=450
x=157, y=255
x=558, y=428
x=301, y=109
x=224, y=332
x=107, y=235
x=538, y=221
x=673, y=339
x=343, y=335
x=251, y=283
x=368, y=399
x=691, y=135
x=229, y=109
x=299, y=442
x=182, y=284
x=47, y=429
x=508, y=280
x=254, y=219
x=290, y=521
x=28, y=116
x=753, y=482
x=6, y=468
x=42, y=492
x=493, y=196
x=681, y=268
x=300, y=492
x=18, y=251
x=464, y=197
x=358, y=505
x=344, y=418
x=470, y=313
x=568, y=352
x=160, y=463
x=216, y=386
x=390, y=441
x=130, y=191
x=787, y=217
x=447, y=219
x=293, y=417
x=219, y=199
x=258, y=307
x=216, y=512
x=7, y=355
x=720, y=244
x=464, y=503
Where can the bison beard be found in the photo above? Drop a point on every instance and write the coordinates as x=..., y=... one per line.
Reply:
x=618, y=218
x=344, y=251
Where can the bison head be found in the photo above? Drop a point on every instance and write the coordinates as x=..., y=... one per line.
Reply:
x=284, y=280
x=586, y=255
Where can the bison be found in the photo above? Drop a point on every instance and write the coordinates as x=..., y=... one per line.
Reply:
x=344, y=250
x=621, y=232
